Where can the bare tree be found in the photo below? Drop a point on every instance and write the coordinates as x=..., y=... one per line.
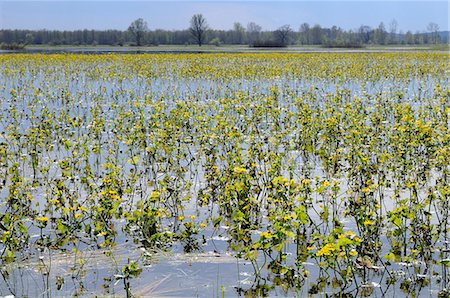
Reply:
x=198, y=28
x=433, y=28
x=138, y=29
x=409, y=37
x=364, y=33
x=316, y=36
x=253, y=32
x=304, y=27
x=393, y=25
x=304, y=33
x=418, y=38
x=379, y=35
x=283, y=34
x=239, y=32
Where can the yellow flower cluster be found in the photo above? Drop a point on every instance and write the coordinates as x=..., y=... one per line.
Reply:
x=326, y=250
x=240, y=170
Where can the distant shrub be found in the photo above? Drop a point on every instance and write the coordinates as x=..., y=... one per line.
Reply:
x=12, y=46
x=215, y=42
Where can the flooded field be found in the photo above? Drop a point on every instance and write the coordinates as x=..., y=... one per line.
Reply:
x=225, y=175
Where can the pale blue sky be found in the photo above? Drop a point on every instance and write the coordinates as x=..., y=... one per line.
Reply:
x=69, y=15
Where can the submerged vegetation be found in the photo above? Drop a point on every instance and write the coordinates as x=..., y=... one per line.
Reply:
x=326, y=173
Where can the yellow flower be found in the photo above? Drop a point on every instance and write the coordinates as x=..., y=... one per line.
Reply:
x=305, y=272
x=350, y=234
x=203, y=225
x=180, y=218
x=192, y=216
x=115, y=197
x=326, y=250
x=239, y=170
x=357, y=239
x=280, y=180
x=78, y=215
x=267, y=234
x=368, y=222
x=353, y=252
x=42, y=219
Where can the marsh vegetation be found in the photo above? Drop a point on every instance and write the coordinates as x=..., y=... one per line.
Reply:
x=225, y=174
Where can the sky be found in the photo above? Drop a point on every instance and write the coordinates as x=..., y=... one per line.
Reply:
x=115, y=14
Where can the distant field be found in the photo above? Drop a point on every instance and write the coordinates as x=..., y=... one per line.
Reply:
x=230, y=49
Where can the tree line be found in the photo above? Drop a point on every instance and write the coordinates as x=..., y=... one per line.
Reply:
x=199, y=32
